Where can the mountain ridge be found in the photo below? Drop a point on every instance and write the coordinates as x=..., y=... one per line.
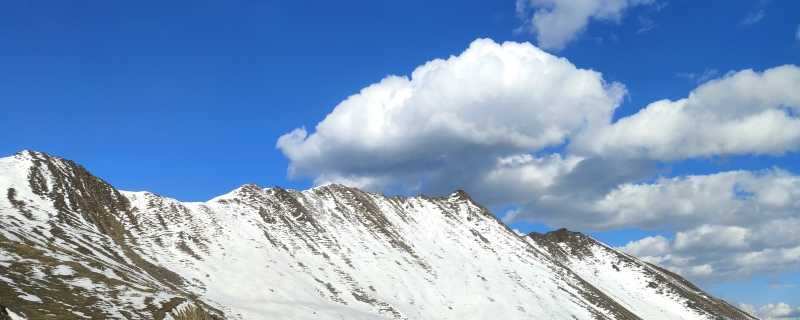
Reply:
x=584, y=247
x=324, y=252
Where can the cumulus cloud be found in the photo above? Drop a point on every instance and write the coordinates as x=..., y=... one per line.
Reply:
x=557, y=22
x=516, y=126
x=746, y=223
x=721, y=252
x=648, y=247
x=772, y=311
x=730, y=198
x=726, y=225
x=452, y=118
x=745, y=112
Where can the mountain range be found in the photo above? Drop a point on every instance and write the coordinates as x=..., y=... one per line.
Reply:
x=74, y=247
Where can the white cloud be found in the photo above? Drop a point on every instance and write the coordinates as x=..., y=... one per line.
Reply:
x=648, y=247
x=452, y=119
x=727, y=225
x=772, y=311
x=746, y=112
x=488, y=119
x=727, y=198
x=723, y=262
x=557, y=22
x=517, y=177
x=712, y=237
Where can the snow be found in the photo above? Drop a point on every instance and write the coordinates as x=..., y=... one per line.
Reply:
x=6, y=259
x=314, y=272
x=30, y=297
x=15, y=171
x=15, y=316
x=84, y=283
x=329, y=252
x=627, y=283
x=6, y=280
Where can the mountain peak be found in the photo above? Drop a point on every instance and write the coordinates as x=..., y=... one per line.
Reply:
x=461, y=195
x=561, y=235
x=250, y=188
x=32, y=159
x=29, y=154
x=334, y=187
x=32, y=179
x=245, y=191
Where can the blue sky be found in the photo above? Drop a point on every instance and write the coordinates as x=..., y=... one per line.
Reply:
x=188, y=99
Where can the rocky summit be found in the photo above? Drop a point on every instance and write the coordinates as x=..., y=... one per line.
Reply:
x=74, y=247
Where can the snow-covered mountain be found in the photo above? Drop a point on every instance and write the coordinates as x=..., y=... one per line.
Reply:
x=649, y=291
x=74, y=247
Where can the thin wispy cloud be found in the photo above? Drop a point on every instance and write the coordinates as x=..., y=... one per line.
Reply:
x=658, y=6
x=797, y=33
x=780, y=285
x=753, y=17
x=645, y=25
x=700, y=77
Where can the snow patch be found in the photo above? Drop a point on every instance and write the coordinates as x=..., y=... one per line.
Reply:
x=63, y=270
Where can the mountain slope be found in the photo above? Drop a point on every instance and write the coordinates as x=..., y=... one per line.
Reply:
x=72, y=246
x=645, y=289
x=64, y=252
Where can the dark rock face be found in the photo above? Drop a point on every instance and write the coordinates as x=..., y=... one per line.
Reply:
x=74, y=191
x=73, y=246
